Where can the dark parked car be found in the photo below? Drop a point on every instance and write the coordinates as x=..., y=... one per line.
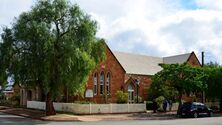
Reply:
x=195, y=109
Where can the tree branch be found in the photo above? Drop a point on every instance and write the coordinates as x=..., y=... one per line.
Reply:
x=64, y=32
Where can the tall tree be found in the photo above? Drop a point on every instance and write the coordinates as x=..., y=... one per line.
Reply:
x=54, y=45
x=6, y=53
x=178, y=78
x=214, y=82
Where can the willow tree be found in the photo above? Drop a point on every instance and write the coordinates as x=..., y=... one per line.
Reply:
x=53, y=45
x=178, y=78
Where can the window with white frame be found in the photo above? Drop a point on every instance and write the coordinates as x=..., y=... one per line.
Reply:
x=130, y=93
x=95, y=84
x=102, y=83
x=108, y=83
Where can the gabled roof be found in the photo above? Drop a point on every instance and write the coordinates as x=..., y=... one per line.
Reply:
x=139, y=64
x=147, y=65
x=176, y=59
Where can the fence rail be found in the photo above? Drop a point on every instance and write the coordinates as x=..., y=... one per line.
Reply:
x=90, y=108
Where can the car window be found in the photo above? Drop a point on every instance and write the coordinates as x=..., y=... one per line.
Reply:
x=199, y=106
x=205, y=107
x=186, y=106
x=194, y=106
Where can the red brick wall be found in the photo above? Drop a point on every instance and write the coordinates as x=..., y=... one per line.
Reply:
x=145, y=82
x=111, y=65
x=119, y=79
x=193, y=60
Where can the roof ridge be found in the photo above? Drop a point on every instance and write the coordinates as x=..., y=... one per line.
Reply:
x=139, y=54
x=177, y=55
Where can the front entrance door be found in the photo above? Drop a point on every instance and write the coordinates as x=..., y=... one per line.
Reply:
x=130, y=93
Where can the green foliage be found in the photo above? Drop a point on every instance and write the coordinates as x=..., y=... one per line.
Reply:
x=2, y=96
x=176, y=79
x=15, y=99
x=214, y=82
x=212, y=65
x=53, y=45
x=6, y=53
x=159, y=101
x=85, y=102
x=140, y=99
x=121, y=97
x=149, y=105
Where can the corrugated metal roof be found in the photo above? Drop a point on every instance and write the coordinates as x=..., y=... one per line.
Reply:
x=146, y=65
x=176, y=59
x=139, y=64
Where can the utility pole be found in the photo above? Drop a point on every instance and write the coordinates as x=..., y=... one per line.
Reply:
x=202, y=53
x=203, y=93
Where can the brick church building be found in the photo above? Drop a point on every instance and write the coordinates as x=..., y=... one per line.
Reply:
x=119, y=71
x=128, y=72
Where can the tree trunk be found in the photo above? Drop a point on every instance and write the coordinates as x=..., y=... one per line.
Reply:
x=180, y=103
x=49, y=105
x=66, y=94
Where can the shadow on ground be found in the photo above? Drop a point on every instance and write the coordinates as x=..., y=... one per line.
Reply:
x=154, y=116
x=6, y=119
x=163, y=116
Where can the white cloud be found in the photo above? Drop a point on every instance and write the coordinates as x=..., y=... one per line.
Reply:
x=9, y=9
x=210, y=4
x=160, y=27
x=152, y=27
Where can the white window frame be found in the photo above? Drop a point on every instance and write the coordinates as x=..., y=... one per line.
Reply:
x=101, y=82
x=130, y=93
x=108, y=83
x=95, y=82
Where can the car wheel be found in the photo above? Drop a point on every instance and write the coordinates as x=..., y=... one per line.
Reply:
x=210, y=114
x=195, y=114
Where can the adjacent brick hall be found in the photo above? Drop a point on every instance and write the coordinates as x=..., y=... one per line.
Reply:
x=128, y=72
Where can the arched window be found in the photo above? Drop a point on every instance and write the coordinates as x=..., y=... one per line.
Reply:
x=102, y=83
x=130, y=93
x=108, y=83
x=95, y=84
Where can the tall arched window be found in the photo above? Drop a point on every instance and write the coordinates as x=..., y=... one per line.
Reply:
x=130, y=93
x=95, y=84
x=102, y=83
x=108, y=83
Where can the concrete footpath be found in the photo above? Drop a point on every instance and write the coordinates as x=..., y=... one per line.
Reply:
x=40, y=115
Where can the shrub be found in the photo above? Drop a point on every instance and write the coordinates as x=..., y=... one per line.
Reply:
x=149, y=105
x=159, y=101
x=85, y=102
x=122, y=97
x=140, y=99
x=2, y=96
x=15, y=99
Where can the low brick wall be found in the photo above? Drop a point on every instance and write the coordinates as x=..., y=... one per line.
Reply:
x=90, y=108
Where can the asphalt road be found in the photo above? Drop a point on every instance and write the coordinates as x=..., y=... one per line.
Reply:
x=6, y=119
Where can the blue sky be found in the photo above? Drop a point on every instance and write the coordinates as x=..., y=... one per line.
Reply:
x=189, y=4
x=150, y=27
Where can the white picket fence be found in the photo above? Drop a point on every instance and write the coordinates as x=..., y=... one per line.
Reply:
x=90, y=108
